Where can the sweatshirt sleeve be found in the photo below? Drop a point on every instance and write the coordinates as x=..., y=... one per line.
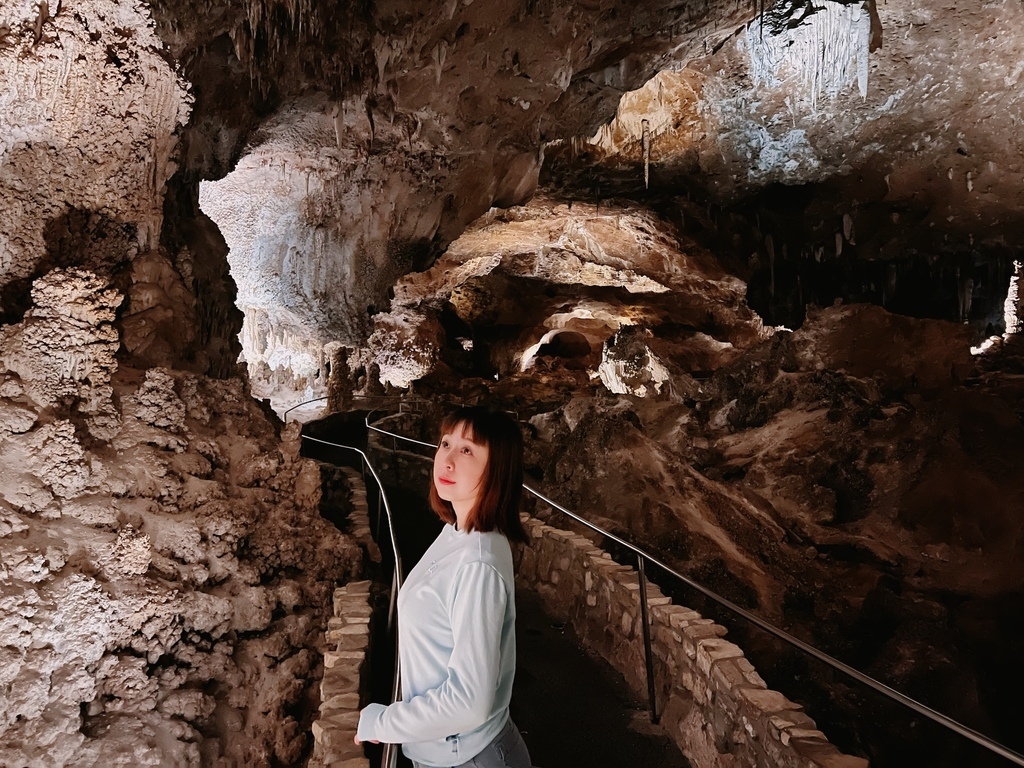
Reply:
x=464, y=700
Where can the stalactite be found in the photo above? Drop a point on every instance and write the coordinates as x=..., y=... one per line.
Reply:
x=848, y=232
x=828, y=48
x=646, y=140
x=439, y=54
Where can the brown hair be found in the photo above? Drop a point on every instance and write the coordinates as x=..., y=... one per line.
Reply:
x=498, y=504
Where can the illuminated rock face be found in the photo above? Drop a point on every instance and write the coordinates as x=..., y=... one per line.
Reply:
x=64, y=349
x=364, y=174
x=312, y=225
x=88, y=116
x=546, y=281
x=141, y=534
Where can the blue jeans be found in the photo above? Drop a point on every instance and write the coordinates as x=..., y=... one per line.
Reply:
x=507, y=750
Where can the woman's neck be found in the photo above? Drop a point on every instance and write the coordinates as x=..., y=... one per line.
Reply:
x=462, y=513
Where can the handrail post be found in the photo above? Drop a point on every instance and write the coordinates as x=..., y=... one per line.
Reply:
x=390, y=757
x=648, y=655
x=394, y=461
x=376, y=533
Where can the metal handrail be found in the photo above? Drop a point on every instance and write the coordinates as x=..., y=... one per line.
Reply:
x=390, y=753
x=402, y=400
x=900, y=698
x=284, y=416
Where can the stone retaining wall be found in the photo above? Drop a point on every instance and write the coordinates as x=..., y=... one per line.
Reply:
x=711, y=700
x=359, y=517
x=342, y=686
x=348, y=631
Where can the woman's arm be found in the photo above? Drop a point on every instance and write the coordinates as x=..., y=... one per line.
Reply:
x=464, y=700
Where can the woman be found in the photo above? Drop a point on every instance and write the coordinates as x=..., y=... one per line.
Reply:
x=456, y=609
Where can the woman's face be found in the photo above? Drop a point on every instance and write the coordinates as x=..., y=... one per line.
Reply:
x=459, y=467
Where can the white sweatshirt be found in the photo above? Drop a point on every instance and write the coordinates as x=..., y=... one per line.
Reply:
x=457, y=647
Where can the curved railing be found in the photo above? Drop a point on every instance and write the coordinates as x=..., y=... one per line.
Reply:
x=284, y=416
x=644, y=557
x=390, y=750
x=402, y=400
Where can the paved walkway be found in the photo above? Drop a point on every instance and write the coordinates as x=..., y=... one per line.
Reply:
x=575, y=710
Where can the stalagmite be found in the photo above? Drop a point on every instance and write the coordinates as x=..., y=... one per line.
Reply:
x=1013, y=311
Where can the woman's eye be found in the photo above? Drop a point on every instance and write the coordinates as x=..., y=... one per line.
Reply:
x=467, y=451
x=444, y=443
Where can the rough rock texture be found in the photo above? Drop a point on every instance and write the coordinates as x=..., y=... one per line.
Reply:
x=312, y=221
x=856, y=478
x=551, y=282
x=64, y=350
x=364, y=174
x=89, y=122
x=843, y=482
x=165, y=582
x=71, y=168
x=867, y=151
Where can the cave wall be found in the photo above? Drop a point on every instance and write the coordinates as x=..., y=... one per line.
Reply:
x=165, y=574
x=323, y=152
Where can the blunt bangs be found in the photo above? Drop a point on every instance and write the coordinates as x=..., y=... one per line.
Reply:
x=498, y=505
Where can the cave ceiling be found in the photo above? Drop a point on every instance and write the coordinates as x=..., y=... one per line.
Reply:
x=337, y=148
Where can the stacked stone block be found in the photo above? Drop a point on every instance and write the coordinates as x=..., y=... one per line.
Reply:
x=342, y=687
x=711, y=699
x=359, y=516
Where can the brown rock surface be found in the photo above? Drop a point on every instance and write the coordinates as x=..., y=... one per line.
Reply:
x=558, y=282
x=151, y=578
x=869, y=508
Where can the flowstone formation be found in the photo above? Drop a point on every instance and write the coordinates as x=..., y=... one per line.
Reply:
x=313, y=221
x=166, y=575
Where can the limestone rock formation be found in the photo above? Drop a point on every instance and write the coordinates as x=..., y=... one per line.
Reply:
x=830, y=493
x=153, y=569
x=68, y=164
x=64, y=350
x=598, y=213
x=549, y=280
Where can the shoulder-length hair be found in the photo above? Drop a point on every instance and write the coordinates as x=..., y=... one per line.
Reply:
x=497, y=507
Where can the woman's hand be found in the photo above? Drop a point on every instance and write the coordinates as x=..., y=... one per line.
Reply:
x=359, y=743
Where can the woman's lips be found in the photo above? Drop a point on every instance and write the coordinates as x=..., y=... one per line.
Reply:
x=445, y=481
